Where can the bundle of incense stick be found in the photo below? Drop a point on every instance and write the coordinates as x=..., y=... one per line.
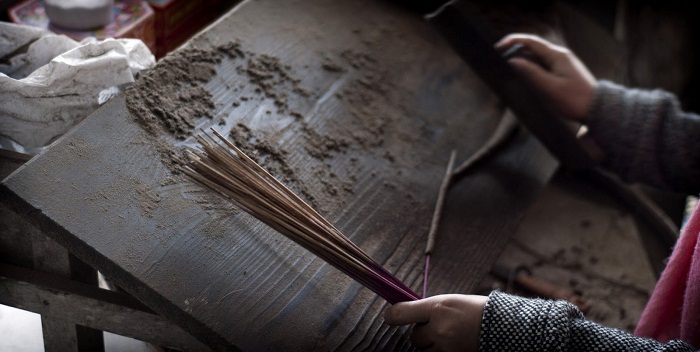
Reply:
x=221, y=166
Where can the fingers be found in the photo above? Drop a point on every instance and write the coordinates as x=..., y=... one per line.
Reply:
x=442, y=323
x=535, y=43
x=541, y=48
x=417, y=312
x=405, y=313
x=565, y=82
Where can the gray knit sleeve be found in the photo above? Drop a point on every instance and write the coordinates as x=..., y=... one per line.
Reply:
x=512, y=323
x=647, y=137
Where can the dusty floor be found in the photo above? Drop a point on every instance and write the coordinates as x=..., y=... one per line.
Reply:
x=581, y=239
x=574, y=235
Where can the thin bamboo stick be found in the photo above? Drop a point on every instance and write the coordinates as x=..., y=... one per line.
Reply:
x=505, y=129
x=437, y=213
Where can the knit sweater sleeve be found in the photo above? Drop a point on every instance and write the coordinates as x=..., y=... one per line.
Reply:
x=647, y=137
x=512, y=323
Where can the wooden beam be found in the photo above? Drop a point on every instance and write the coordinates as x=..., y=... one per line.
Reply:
x=64, y=300
x=59, y=333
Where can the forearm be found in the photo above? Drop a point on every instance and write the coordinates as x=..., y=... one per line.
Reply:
x=512, y=323
x=646, y=137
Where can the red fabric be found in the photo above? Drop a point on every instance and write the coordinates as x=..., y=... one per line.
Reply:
x=673, y=311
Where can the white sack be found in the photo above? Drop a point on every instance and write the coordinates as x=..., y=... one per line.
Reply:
x=38, y=108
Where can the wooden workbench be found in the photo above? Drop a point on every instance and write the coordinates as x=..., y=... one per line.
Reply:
x=104, y=192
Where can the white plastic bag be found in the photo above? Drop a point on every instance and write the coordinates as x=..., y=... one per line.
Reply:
x=38, y=108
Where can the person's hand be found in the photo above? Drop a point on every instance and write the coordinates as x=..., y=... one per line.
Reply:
x=443, y=322
x=560, y=75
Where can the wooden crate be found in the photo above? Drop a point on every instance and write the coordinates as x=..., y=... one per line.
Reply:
x=178, y=20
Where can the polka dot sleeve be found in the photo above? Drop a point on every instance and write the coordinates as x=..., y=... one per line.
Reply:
x=512, y=323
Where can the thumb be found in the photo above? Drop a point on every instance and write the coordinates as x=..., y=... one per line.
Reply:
x=533, y=72
x=409, y=312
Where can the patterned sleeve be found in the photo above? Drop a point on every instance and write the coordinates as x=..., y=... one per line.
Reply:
x=512, y=323
x=646, y=137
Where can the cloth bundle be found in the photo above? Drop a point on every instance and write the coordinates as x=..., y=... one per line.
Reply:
x=49, y=83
